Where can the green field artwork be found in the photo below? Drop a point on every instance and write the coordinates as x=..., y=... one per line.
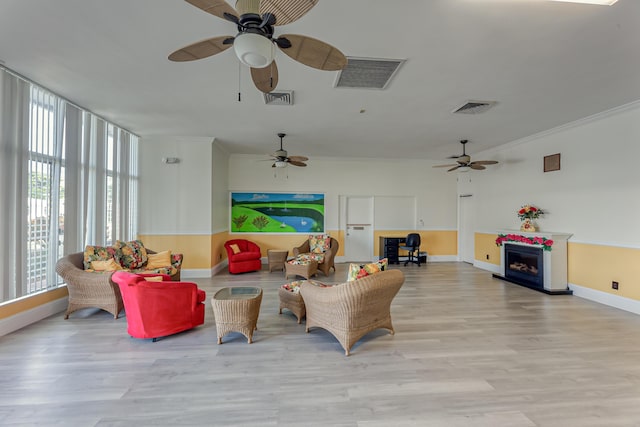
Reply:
x=277, y=213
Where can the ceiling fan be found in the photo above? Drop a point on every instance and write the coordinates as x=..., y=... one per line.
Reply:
x=255, y=42
x=281, y=159
x=464, y=161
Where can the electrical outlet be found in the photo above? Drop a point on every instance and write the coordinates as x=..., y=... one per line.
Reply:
x=614, y=285
x=487, y=256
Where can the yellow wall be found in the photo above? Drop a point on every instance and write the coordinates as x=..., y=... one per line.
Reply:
x=218, y=253
x=196, y=249
x=433, y=242
x=485, y=244
x=28, y=303
x=596, y=266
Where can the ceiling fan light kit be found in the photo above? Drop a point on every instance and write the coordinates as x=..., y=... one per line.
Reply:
x=281, y=158
x=254, y=50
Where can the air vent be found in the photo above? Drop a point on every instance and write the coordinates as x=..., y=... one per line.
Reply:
x=283, y=97
x=368, y=73
x=475, y=107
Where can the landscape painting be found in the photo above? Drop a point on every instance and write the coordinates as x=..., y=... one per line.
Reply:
x=277, y=213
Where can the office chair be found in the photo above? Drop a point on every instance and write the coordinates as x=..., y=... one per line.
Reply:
x=412, y=245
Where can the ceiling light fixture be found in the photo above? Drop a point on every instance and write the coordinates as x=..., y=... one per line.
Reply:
x=599, y=2
x=280, y=164
x=254, y=50
x=464, y=169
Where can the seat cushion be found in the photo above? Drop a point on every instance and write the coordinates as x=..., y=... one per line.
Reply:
x=245, y=256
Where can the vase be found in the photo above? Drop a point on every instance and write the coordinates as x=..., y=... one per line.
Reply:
x=528, y=225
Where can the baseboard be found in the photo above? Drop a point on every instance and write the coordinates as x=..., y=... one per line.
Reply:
x=487, y=266
x=606, y=298
x=34, y=315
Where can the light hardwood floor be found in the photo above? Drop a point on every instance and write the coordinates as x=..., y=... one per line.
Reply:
x=469, y=350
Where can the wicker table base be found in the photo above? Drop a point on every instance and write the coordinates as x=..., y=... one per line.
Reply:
x=303, y=270
x=277, y=258
x=292, y=301
x=236, y=309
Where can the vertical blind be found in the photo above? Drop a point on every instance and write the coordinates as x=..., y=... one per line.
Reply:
x=69, y=178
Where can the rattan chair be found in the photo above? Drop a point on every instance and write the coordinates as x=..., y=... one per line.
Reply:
x=328, y=263
x=90, y=289
x=351, y=310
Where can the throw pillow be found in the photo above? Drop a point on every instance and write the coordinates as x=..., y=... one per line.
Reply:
x=98, y=253
x=109, y=265
x=153, y=278
x=319, y=244
x=358, y=271
x=131, y=254
x=235, y=248
x=159, y=260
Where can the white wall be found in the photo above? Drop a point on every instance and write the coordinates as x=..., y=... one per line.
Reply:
x=434, y=189
x=175, y=198
x=220, y=189
x=594, y=195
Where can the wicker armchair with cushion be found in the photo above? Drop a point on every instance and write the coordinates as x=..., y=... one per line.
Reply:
x=323, y=248
x=351, y=310
x=90, y=287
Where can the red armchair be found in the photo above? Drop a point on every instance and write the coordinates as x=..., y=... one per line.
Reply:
x=243, y=256
x=159, y=309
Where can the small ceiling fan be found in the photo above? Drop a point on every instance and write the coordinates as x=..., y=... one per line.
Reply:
x=255, y=42
x=281, y=159
x=464, y=161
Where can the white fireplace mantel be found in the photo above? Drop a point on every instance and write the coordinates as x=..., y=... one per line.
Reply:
x=554, y=261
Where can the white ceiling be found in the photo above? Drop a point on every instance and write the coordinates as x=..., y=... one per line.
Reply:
x=546, y=63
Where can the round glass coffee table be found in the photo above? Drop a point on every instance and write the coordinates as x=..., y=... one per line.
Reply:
x=236, y=309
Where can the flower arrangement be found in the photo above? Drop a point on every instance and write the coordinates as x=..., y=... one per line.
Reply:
x=542, y=241
x=529, y=212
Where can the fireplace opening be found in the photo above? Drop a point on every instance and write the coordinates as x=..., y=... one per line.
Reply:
x=523, y=264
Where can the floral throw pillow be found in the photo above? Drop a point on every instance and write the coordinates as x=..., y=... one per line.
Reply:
x=319, y=244
x=293, y=286
x=358, y=271
x=131, y=254
x=98, y=253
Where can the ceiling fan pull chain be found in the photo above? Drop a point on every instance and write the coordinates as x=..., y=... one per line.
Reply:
x=239, y=82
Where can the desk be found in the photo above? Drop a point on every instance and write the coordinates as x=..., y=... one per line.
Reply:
x=389, y=248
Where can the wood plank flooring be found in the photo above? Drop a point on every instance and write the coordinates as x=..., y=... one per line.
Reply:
x=469, y=350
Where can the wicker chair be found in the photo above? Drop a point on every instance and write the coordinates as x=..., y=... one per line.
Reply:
x=90, y=289
x=351, y=310
x=329, y=256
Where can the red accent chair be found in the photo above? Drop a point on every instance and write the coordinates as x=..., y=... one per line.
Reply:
x=247, y=259
x=159, y=309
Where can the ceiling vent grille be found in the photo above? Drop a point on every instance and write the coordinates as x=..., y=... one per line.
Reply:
x=368, y=73
x=283, y=97
x=474, y=107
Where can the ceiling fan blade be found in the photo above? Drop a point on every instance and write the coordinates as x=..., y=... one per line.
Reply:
x=476, y=166
x=444, y=166
x=314, y=53
x=247, y=6
x=296, y=163
x=485, y=162
x=286, y=11
x=265, y=79
x=214, y=7
x=201, y=49
x=453, y=168
x=299, y=158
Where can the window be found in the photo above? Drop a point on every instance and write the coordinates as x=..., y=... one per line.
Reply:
x=70, y=179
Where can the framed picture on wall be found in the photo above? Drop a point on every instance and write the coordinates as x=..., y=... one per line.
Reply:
x=276, y=212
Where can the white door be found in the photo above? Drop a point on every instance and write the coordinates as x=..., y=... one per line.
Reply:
x=466, y=228
x=359, y=233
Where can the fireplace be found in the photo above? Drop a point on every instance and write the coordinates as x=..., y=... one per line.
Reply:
x=528, y=264
x=524, y=265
